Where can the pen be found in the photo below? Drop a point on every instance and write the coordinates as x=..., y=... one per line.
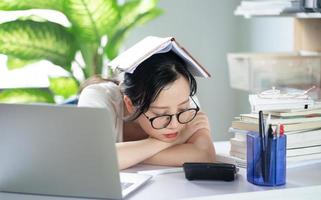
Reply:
x=282, y=155
x=267, y=122
x=162, y=171
x=281, y=130
x=262, y=143
x=277, y=134
x=268, y=156
x=270, y=131
x=262, y=130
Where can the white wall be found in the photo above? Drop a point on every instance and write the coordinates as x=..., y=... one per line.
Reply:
x=209, y=30
x=263, y=34
x=273, y=34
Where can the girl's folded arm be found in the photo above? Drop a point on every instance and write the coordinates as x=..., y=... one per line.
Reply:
x=132, y=153
x=199, y=148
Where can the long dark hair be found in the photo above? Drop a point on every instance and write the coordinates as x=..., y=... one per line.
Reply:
x=151, y=76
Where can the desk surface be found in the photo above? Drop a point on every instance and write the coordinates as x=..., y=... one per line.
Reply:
x=175, y=186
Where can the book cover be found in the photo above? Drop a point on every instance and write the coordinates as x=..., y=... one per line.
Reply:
x=304, y=151
x=129, y=60
x=237, y=154
x=279, y=104
x=253, y=118
x=303, y=112
x=300, y=158
x=295, y=140
x=287, y=127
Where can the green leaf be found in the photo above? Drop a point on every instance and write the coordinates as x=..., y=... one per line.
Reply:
x=27, y=95
x=131, y=10
x=91, y=19
x=35, y=18
x=64, y=86
x=148, y=16
x=38, y=40
x=31, y=4
x=116, y=40
x=90, y=56
x=17, y=63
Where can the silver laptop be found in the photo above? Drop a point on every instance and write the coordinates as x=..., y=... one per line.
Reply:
x=61, y=150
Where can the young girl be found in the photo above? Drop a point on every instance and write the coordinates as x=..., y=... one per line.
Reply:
x=157, y=119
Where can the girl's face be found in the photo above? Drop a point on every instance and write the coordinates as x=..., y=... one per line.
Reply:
x=171, y=100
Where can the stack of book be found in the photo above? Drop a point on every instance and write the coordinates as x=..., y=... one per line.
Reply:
x=302, y=128
x=269, y=7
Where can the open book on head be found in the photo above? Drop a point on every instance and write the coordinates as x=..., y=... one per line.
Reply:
x=132, y=57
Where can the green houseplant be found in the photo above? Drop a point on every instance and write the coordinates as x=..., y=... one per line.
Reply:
x=97, y=30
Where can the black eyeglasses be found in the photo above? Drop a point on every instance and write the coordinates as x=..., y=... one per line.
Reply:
x=182, y=117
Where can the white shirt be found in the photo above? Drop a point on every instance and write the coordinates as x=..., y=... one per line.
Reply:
x=106, y=95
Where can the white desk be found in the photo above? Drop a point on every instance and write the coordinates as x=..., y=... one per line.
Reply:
x=309, y=192
x=175, y=186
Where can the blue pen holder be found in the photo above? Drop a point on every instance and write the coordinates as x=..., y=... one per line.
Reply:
x=266, y=169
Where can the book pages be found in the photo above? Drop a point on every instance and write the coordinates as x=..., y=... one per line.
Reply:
x=130, y=59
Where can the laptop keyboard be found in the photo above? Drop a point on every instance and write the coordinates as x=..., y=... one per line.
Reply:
x=125, y=185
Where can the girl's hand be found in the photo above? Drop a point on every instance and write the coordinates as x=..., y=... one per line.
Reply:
x=199, y=122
